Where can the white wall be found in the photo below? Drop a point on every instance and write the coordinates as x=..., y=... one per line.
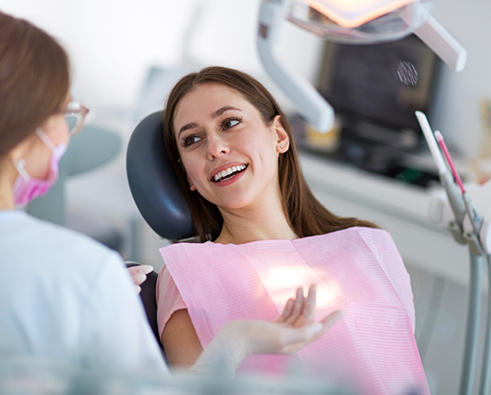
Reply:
x=111, y=43
x=457, y=112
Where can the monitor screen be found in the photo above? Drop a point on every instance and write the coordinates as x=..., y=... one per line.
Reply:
x=383, y=83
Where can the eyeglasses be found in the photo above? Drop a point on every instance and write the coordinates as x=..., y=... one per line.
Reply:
x=75, y=116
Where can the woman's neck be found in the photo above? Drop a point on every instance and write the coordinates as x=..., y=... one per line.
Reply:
x=6, y=184
x=252, y=224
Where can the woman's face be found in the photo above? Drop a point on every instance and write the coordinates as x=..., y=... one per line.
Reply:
x=230, y=155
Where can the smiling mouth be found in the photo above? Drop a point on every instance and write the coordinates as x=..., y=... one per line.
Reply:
x=227, y=174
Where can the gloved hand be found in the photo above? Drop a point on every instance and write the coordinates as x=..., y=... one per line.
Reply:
x=139, y=275
x=294, y=329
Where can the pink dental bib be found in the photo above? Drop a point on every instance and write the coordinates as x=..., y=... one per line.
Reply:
x=359, y=270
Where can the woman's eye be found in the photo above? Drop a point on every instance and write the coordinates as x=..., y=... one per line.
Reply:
x=229, y=123
x=190, y=140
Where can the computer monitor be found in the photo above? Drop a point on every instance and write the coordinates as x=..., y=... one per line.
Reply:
x=375, y=89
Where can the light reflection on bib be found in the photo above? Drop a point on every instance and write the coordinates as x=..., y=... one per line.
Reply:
x=281, y=283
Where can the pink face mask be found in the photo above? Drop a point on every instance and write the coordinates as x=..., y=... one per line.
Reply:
x=27, y=188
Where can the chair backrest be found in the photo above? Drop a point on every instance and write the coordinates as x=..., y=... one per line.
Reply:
x=153, y=184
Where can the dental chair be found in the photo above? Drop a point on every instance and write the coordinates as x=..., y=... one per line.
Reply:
x=157, y=195
x=153, y=184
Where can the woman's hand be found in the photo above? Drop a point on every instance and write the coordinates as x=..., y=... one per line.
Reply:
x=139, y=275
x=300, y=310
x=294, y=329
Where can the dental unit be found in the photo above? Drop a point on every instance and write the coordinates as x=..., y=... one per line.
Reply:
x=374, y=21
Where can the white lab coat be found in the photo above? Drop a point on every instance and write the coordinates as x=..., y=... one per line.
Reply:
x=66, y=297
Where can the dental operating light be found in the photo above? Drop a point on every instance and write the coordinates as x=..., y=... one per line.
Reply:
x=347, y=21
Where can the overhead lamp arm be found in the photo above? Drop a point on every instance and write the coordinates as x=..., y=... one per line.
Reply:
x=309, y=102
x=442, y=43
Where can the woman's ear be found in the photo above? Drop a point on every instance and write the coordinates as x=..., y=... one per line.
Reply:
x=282, y=138
x=23, y=148
x=191, y=185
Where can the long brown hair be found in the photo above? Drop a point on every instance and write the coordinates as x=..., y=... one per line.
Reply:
x=34, y=80
x=307, y=217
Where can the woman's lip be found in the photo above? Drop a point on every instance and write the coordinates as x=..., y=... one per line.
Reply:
x=236, y=177
x=225, y=167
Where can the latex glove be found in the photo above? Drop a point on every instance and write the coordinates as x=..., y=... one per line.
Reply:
x=139, y=275
x=294, y=329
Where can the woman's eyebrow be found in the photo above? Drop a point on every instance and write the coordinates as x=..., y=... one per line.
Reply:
x=215, y=114
x=189, y=125
x=220, y=111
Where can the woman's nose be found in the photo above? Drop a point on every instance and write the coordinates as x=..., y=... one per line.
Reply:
x=217, y=147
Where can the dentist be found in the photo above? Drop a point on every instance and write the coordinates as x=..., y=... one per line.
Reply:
x=63, y=296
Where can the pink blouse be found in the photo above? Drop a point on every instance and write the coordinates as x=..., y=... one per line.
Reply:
x=169, y=299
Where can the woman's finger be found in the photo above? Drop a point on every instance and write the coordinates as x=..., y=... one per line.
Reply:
x=332, y=318
x=298, y=306
x=145, y=269
x=310, y=302
x=287, y=311
x=139, y=273
x=327, y=322
x=138, y=278
x=301, y=336
x=296, y=338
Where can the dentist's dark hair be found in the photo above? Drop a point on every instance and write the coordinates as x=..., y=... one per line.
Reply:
x=34, y=80
x=307, y=217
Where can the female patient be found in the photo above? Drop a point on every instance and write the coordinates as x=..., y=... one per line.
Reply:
x=232, y=149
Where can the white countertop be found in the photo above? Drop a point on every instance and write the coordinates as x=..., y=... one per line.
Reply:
x=399, y=208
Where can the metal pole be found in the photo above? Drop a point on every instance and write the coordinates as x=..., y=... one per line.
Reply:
x=472, y=330
x=486, y=363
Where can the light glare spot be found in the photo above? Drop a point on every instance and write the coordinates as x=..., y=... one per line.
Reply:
x=281, y=284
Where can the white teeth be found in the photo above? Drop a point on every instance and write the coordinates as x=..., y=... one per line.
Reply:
x=228, y=171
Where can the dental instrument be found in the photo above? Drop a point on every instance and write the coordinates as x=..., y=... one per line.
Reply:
x=361, y=21
x=443, y=147
x=469, y=227
x=446, y=179
x=475, y=218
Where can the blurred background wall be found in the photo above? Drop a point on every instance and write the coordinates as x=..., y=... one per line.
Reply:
x=112, y=43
